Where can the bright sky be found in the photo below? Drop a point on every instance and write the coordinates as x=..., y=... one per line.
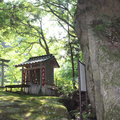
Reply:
x=54, y=29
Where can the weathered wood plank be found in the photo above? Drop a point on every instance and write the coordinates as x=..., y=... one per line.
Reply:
x=17, y=86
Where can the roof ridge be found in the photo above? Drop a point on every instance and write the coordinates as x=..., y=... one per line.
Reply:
x=43, y=56
x=38, y=59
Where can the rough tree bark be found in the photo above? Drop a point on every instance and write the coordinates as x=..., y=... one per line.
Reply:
x=102, y=61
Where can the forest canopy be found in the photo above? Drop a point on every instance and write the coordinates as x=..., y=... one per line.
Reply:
x=34, y=28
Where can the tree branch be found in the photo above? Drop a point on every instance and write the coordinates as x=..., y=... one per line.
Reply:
x=60, y=17
x=66, y=30
x=26, y=48
x=58, y=5
x=41, y=44
x=46, y=46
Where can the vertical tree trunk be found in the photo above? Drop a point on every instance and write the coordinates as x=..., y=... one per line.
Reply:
x=72, y=61
x=45, y=46
x=71, y=52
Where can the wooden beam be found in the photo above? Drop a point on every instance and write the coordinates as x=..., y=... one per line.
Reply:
x=16, y=86
x=31, y=68
x=3, y=60
x=4, y=64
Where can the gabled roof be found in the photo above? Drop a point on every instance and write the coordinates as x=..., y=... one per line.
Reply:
x=38, y=59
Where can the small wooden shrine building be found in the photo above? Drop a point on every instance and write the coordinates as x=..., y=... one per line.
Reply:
x=38, y=72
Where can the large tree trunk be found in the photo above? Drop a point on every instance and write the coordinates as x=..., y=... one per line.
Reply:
x=102, y=61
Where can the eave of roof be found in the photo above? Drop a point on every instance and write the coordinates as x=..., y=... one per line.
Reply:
x=38, y=59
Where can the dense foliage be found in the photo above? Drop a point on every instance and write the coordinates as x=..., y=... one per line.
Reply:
x=33, y=28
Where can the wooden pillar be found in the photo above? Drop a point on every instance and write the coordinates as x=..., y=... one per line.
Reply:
x=21, y=89
x=29, y=80
x=29, y=76
x=11, y=89
x=2, y=76
x=35, y=75
x=2, y=72
x=40, y=77
x=22, y=74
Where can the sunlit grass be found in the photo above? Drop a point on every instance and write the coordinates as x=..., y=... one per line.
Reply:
x=17, y=106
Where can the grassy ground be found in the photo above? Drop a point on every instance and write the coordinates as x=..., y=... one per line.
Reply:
x=29, y=107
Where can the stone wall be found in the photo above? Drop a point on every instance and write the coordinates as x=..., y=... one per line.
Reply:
x=102, y=61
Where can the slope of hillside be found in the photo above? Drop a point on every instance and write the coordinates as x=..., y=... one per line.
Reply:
x=20, y=107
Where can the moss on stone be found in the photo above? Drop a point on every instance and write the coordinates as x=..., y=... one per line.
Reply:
x=113, y=113
x=15, y=106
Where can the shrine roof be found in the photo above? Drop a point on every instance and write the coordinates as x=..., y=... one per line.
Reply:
x=37, y=59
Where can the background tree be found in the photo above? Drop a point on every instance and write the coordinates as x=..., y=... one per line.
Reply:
x=24, y=33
